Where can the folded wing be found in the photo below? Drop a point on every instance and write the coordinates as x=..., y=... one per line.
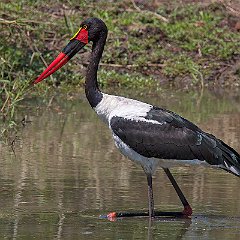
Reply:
x=165, y=135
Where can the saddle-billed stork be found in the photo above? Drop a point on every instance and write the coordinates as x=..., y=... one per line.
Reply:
x=150, y=136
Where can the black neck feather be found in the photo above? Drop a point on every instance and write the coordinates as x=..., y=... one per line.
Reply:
x=94, y=95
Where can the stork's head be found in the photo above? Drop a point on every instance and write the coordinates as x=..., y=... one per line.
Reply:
x=90, y=30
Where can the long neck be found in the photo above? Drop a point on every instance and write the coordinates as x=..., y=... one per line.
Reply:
x=92, y=91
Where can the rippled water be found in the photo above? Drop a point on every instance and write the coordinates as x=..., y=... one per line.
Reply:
x=66, y=171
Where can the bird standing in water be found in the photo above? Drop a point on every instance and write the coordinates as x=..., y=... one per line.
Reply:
x=148, y=135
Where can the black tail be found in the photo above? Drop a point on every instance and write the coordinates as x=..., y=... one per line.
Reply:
x=230, y=159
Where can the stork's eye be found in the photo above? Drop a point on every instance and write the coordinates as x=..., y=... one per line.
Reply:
x=85, y=27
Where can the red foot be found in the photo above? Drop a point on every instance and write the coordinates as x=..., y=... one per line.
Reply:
x=112, y=216
x=187, y=211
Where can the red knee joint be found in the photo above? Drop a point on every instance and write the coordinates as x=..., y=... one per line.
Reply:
x=187, y=211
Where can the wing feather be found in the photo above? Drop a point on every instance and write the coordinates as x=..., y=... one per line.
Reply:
x=165, y=135
x=168, y=137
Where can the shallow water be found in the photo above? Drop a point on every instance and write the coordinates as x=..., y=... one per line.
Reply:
x=66, y=171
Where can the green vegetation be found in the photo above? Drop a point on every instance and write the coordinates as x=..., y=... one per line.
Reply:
x=196, y=46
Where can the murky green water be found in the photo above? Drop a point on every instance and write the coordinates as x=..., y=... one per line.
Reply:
x=66, y=171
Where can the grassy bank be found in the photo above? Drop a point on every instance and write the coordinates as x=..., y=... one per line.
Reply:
x=198, y=45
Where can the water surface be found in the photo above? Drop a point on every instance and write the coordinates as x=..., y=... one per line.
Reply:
x=66, y=171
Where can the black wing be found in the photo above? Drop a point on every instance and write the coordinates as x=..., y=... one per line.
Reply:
x=172, y=137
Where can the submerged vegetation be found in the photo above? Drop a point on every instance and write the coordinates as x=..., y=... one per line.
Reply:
x=197, y=45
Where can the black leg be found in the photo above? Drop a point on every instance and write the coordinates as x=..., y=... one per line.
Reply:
x=150, y=196
x=151, y=213
x=187, y=209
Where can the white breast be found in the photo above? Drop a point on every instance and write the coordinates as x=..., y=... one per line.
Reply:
x=111, y=106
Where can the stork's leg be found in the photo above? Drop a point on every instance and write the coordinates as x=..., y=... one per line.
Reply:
x=151, y=213
x=187, y=209
x=150, y=196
